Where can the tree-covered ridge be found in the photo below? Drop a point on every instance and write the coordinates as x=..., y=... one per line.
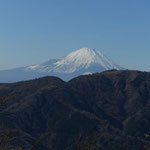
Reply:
x=103, y=111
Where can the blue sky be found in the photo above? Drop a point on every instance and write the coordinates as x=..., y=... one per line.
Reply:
x=32, y=31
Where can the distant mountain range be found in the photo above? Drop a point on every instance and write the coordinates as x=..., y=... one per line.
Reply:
x=102, y=111
x=79, y=62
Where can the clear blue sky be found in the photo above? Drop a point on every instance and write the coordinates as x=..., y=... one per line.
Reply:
x=32, y=31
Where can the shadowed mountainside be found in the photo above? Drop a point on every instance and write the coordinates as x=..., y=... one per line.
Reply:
x=103, y=111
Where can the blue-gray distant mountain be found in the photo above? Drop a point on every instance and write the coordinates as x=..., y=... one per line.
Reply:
x=79, y=62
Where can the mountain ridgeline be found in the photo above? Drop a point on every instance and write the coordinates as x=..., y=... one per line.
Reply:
x=102, y=111
x=82, y=61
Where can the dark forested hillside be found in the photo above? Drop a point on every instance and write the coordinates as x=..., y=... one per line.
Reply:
x=103, y=111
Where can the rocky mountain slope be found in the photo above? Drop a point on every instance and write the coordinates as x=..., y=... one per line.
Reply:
x=103, y=111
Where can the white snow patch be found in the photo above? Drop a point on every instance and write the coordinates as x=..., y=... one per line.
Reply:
x=33, y=67
x=87, y=73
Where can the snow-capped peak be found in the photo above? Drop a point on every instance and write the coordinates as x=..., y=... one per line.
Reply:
x=82, y=60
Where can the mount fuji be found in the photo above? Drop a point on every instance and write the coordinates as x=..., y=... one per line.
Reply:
x=80, y=62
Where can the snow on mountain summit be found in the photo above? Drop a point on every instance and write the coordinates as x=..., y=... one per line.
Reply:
x=84, y=58
x=78, y=60
x=84, y=61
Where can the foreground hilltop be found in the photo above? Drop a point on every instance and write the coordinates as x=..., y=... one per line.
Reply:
x=82, y=61
x=103, y=111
